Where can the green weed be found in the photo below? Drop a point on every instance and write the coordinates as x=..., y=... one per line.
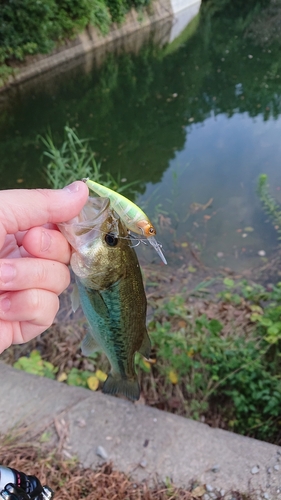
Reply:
x=236, y=372
x=36, y=365
x=270, y=205
x=74, y=160
x=80, y=378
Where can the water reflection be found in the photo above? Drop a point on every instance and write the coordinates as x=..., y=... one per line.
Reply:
x=209, y=192
x=193, y=121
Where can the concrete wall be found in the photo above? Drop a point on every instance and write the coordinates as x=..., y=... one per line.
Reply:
x=178, y=5
x=183, y=14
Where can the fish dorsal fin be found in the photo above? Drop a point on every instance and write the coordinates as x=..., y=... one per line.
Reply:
x=145, y=347
x=89, y=345
x=75, y=300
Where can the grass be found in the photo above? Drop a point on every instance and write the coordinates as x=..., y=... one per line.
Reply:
x=74, y=160
x=271, y=207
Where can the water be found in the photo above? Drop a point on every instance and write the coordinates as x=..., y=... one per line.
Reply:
x=194, y=123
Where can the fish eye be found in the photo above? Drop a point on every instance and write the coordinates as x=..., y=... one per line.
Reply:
x=111, y=240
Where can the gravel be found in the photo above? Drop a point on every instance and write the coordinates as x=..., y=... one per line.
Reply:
x=100, y=451
x=255, y=469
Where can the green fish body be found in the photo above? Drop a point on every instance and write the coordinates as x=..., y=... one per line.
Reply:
x=111, y=292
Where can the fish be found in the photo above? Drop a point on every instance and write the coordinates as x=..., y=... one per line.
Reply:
x=133, y=217
x=110, y=291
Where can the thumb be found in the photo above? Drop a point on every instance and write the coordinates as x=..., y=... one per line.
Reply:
x=21, y=209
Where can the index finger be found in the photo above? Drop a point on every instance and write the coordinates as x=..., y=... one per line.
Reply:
x=22, y=209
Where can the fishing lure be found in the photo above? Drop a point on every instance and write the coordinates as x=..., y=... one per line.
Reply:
x=132, y=216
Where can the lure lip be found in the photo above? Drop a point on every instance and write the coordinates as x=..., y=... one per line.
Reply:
x=157, y=247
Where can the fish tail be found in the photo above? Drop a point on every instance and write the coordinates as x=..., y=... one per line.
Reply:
x=128, y=387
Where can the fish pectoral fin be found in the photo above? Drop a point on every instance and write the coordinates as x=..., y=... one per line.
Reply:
x=89, y=345
x=145, y=347
x=98, y=303
x=117, y=385
x=75, y=300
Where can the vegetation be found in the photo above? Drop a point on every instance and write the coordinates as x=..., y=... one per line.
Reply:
x=233, y=368
x=270, y=205
x=74, y=160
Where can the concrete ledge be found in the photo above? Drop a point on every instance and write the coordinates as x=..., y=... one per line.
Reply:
x=139, y=440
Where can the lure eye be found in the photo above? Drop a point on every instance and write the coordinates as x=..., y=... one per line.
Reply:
x=151, y=230
x=111, y=240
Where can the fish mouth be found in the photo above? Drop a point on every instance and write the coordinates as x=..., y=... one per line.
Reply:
x=157, y=247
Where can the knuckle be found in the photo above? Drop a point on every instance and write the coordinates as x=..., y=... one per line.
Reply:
x=41, y=272
x=52, y=310
x=44, y=306
x=35, y=299
x=54, y=305
x=64, y=278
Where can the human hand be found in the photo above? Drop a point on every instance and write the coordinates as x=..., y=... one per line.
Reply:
x=33, y=258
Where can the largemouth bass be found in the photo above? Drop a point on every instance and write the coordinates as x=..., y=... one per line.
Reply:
x=111, y=292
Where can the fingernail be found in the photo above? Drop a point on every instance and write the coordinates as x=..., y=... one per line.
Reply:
x=7, y=273
x=45, y=241
x=72, y=188
x=5, y=304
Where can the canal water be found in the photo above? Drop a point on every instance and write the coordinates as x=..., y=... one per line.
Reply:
x=193, y=123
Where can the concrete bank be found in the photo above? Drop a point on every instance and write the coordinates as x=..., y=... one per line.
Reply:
x=139, y=440
x=177, y=13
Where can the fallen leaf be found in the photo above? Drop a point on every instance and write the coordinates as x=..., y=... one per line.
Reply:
x=249, y=229
x=146, y=364
x=93, y=383
x=207, y=217
x=181, y=323
x=62, y=377
x=101, y=376
x=174, y=402
x=191, y=269
x=198, y=492
x=255, y=317
x=256, y=308
x=184, y=244
x=173, y=377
